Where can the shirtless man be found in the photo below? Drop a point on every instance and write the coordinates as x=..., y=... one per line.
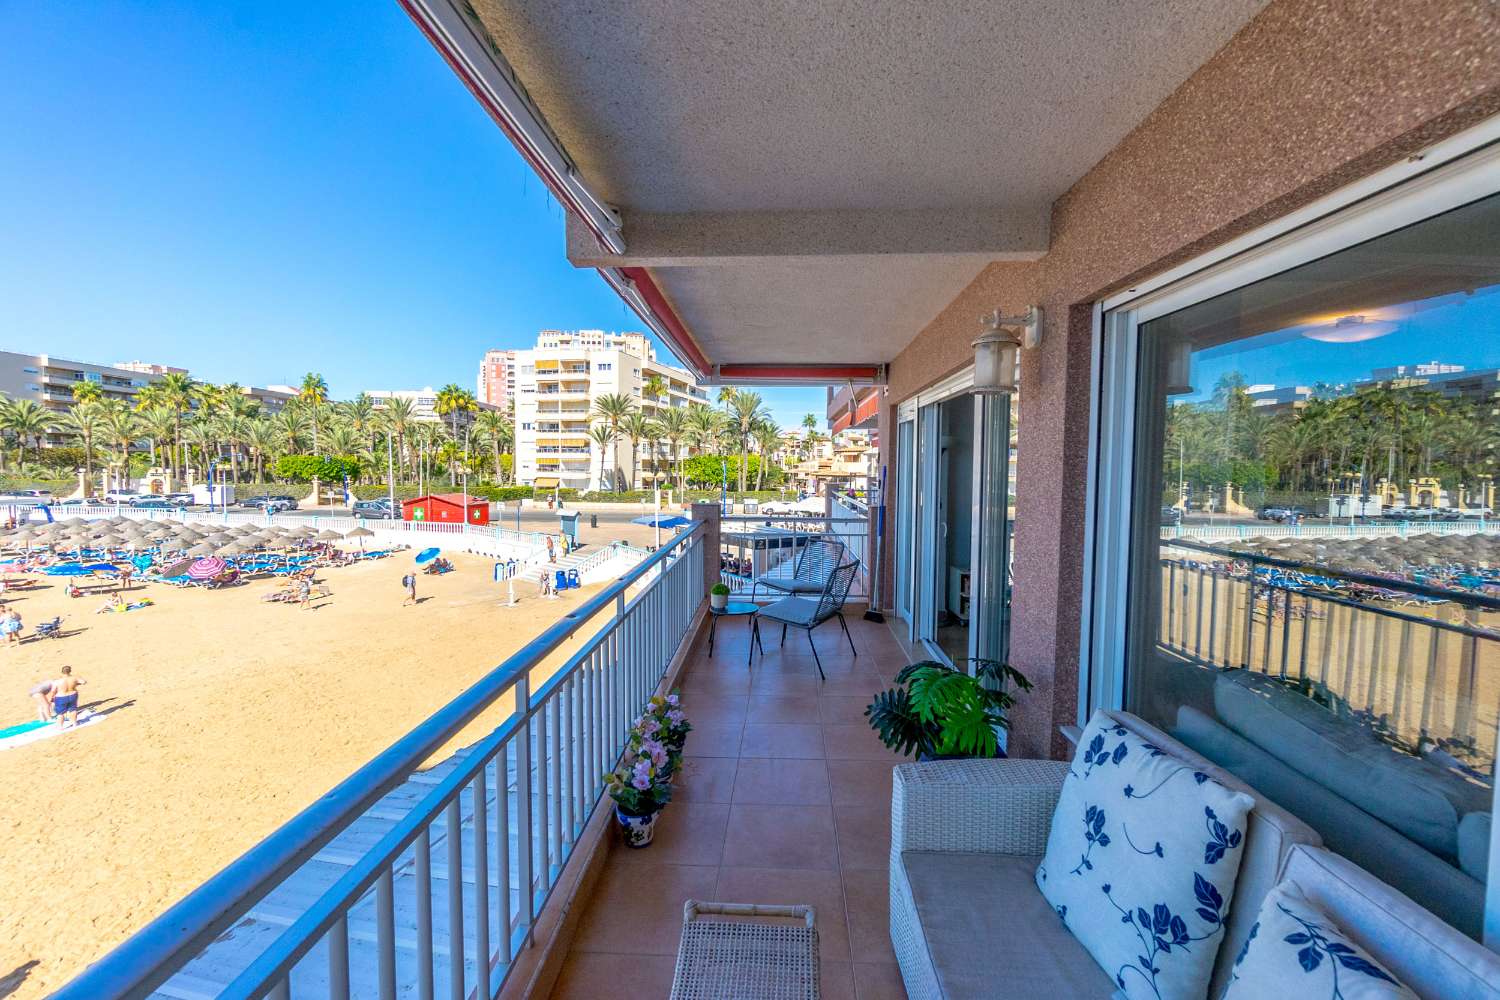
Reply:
x=65, y=698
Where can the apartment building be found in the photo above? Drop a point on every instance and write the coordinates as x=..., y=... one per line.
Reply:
x=557, y=383
x=497, y=379
x=49, y=380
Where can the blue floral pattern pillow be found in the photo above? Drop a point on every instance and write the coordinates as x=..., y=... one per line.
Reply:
x=1294, y=950
x=1141, y=862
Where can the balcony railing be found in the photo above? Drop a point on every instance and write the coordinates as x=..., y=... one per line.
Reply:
x=1406, y=659
x=760, y=545
x=487, y=835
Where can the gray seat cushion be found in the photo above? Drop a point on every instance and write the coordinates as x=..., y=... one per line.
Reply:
x=990, y=933
x=788, y=586
x=791, y=610
x=1414, y=796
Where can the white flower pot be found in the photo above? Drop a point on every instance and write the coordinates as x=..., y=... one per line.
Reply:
x=718, y=601
x=637, y=830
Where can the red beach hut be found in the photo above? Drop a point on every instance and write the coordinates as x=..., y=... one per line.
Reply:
x=446, y=508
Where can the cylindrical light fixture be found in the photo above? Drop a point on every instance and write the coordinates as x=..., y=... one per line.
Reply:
x=1179, y=368
x=995, y=353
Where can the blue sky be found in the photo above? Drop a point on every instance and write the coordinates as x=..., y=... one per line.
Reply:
x=257, y=190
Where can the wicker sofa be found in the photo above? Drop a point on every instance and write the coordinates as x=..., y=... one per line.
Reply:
x=967, y=920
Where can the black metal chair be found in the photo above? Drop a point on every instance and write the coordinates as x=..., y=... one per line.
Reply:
x=811, y=568
x=807, y=614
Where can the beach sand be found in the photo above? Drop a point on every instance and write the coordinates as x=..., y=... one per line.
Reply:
x=226, y=716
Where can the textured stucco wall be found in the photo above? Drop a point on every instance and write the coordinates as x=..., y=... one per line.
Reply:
x=1309, y=96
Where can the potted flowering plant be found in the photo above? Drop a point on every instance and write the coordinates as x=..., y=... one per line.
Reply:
x=718, y=596
x=640, y=785
x=672, y=723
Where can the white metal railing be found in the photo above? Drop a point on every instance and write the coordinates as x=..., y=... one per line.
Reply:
x=1329, y=529
x=766, y=545
x=469, y=865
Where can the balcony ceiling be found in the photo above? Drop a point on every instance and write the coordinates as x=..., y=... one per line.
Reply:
x=813, y=182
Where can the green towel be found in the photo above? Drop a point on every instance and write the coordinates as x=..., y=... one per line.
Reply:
x=24, y=727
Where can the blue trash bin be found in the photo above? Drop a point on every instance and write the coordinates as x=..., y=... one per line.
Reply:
x=573, y=578
x=562, y=580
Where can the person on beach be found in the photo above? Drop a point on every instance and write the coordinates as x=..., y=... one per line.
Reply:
x=409, y=581
x=551, y=555
x=304, y=591
x=10, y=626
x=65, y=698
x=42, y=695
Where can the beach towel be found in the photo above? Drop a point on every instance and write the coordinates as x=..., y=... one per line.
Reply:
x=31, y=732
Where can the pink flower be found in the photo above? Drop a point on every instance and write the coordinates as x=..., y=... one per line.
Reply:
x=675, y=717
x=649, y=726
x=673, y=700
x=641, y=778
x=655, y=751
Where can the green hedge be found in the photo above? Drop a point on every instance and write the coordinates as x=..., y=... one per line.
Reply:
x=59, y=487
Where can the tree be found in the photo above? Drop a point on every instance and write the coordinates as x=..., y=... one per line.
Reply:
x=653, y=433
x=29, y=421
x=704, y=428
x=674, y=427
x=496, y=431
x=361, y=414
x=174, y=393
x=313, y=393
x=451, y=401
x=602, y=436
x=745, y=411
x=122, y=428
x=88, y=392
x=767, y=440
x=635, y=425
x=233, y=429
x=85, y=422
x=399, y=417
x=655, y=387
x=290, y=426
x=262, y=438
x=613, y=409
x=158, y=424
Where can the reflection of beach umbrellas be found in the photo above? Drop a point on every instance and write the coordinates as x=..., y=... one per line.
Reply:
x=207, y=569
x=66, y=569
x=177, y=568
x=427, y=556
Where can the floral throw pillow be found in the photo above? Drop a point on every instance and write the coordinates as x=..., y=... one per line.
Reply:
x=1141, y=862
x=1294, y=950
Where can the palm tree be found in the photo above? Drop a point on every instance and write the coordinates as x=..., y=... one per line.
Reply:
x=635, y=425
x=601, y=435
x=655, y=387
x=703, y=429
x=314, y=393
x=201, y=434
x=122, y=427
x=726, y=393
x=360, y=412
x=451, y=401
x=290, y=425
x=157, y=426
x=233, y=430
x=674, y=427
x=654, y=432
x=745, y=411
x=262, y=438
x=174, y=393
x=85, y=422
x=88, y=392
x=767, y=440
x=28, y=420
x=613, y=409
x=399, y=416
x=496, y=431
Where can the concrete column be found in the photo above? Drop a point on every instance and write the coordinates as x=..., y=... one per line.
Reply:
x=709, y=515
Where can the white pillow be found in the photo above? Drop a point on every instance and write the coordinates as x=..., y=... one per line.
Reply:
x=1141, y=862
x=1294, y=950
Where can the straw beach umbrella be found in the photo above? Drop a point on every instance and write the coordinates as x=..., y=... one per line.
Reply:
x=202, y=549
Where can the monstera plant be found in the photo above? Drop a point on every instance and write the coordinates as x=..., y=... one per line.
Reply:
x=941, y=711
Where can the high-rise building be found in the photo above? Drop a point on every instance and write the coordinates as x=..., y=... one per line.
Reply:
x=149, y=368
x=50, y=380
x=497, y=379
x=557, y=383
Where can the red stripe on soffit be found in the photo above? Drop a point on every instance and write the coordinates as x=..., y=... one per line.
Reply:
x=803, y=373
x=682, y=341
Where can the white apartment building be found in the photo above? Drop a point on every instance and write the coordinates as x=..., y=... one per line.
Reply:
x=557, y=383
x=497, y=379
x=49, y=380
x=424, y=404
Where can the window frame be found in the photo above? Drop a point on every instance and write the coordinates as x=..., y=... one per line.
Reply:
x=1449, y=175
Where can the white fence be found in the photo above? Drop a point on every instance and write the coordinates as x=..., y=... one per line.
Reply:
x=1328, y=529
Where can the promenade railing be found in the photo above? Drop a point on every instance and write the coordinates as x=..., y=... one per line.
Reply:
x=491, y=834
x=1416, y=663
x=761, y=545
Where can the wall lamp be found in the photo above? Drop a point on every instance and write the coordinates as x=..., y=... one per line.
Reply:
x=998, y=347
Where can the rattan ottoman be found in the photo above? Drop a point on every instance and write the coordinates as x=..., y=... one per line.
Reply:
x=746, y=959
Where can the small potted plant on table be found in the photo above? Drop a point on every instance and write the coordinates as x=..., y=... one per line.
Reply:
x=718, y=596
x=937, y=711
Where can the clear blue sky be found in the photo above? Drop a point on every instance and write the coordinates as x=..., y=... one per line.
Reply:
x=257, y=190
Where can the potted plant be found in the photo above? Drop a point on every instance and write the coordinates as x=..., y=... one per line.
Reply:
x=674, y=726
x=937, y=711
x=718, y=596
x=641, y=784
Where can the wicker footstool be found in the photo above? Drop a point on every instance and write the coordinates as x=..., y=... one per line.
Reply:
x=746, y=959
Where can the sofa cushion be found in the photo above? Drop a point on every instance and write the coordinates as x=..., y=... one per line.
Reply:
x=989, y=933
x=1435, y=961
x=1416, y=797
x=1142, y=860
x=1296, y=950
x=1474, y=844
x=1348, y=830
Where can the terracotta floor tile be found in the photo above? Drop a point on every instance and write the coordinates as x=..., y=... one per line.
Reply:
x=836, y=980
x=714, y=740
x=842, y=709
x=783, y=710
x=864, y=835
x=781, y=837
x=623, y=918
x=880, y=981
x=781, y=781
x=861, y=782
x=687, y=833
x=824, y=891
x=863, y=683
x=787, y=685
x=867, y=902
x=590, y=975
x=715, y=683
x=855, y=743
x=721, y=709
x=705, y=779
x=782, y=741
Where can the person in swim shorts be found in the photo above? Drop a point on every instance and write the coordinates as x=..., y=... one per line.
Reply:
x=65, y=698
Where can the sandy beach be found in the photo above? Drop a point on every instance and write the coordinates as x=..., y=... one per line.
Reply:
x=224, y=717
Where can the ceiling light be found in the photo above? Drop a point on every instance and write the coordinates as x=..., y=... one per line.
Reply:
x=1349, y=330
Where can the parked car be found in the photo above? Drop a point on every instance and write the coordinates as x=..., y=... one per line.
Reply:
x=180, y=499
x=1171, y=517
x=123, y=496
x=154, y=503
x=264, y=500
x=376, y=509
x=1270, y=514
